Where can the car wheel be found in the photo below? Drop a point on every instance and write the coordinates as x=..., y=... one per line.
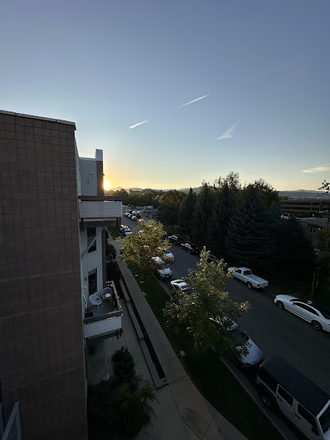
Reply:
x=280, y=305
x=267, y=400
x=316, y=325
x=249, y=285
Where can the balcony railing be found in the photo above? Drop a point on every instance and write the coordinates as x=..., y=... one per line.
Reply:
x=106, y=318
x=99, y=208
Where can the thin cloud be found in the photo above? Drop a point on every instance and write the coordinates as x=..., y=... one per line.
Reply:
x=229, y=133
x=276, y=69
x=319, y=169
x=136, y=125
x=194, y=100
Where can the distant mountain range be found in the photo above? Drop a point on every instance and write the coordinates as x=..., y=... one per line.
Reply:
x=294, y=194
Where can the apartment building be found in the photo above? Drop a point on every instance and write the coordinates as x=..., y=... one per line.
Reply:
x=52, y=243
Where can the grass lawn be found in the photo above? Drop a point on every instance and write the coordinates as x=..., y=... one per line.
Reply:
x=113, y=232
x=210, y=375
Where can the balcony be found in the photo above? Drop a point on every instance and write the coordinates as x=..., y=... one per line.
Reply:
x=105, y=318
x=99, y=208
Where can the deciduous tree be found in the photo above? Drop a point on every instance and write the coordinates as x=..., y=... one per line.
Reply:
x=146, y=241
x=204, y=311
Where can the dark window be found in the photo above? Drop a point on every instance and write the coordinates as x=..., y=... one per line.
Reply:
x=267, y=379
x=91, y=232
x=238, y=271
x=309, y=309
x=92, y=282
x=306, y=415
x=286, y=396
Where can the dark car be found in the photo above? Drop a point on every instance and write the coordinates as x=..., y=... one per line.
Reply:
x=212, y=257
x=176, y=239
x=190, y=248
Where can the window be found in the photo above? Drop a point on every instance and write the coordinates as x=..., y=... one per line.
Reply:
x=267, y=379
x=306, y=415
x=91, y=233
x=286, y=396
x=92, y=282
x=309, y=309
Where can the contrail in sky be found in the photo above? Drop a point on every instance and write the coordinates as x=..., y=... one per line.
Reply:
x=320, y=169
x=275, y=69
x=136, y=125
x=194, y=100
x=229, y=133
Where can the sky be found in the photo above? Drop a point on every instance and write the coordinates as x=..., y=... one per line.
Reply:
x=177, y=92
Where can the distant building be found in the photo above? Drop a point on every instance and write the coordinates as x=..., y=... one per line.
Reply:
x=53, y=214
x=305, y=207
x=312, y=226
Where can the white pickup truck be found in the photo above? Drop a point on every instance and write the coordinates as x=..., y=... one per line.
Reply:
x=244, y=274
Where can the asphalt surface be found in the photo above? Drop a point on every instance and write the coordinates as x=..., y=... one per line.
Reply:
x=275, y=331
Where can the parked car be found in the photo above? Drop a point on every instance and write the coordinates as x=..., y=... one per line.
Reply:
x=190, y=248
x=244, y=274
x=125, y=230
x=180, y=285
x=253, y=356
x=176, y=239
x=310, y=311
x=212, y=257
x=168, y=256
x=285, y=388
x=162, y=269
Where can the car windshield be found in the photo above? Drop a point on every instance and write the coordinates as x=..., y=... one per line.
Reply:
x=325, y=420
x=239, y=335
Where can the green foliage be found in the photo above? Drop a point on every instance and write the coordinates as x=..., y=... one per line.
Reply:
x=186, y=213
x=324, y=239
x=218, y=224
x=120, y=405
x=203, y=211
x=203, y=312
x=294, y=249
x=112, y=271
x=146, y=241
x=169, y=204
x=266, y=192
x=123, y=365
x=249, y=241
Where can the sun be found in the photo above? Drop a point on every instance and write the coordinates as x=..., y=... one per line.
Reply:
x=106, y=185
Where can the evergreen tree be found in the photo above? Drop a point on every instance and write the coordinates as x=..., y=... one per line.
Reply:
x=203, y=211
x=295, y=250
x=186, y=213
x=218, y=223
x=169, y=204
x=247, y=241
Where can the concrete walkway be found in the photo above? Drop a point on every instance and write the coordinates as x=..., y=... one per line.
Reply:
x=181, y=412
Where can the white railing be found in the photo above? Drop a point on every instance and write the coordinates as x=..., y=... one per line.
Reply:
x=13, y=427
x=97, y=209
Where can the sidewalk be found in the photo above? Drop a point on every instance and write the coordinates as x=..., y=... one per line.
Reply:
x=181, y=412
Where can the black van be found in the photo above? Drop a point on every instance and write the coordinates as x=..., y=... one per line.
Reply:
x=306, y=405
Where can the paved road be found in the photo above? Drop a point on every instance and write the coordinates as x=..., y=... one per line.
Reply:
x=274, y=330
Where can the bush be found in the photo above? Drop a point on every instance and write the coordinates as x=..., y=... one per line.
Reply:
x=119, y=407
x=112, y=271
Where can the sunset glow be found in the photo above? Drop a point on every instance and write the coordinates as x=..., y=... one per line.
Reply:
x=106, y=185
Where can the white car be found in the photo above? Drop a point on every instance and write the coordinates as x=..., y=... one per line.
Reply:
x=180, y=285
x=162, y=270
x=168, y=256
x=310, y=311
